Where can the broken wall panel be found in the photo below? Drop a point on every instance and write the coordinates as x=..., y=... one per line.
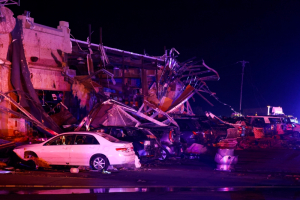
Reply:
x=49, y=79
x=45, y=43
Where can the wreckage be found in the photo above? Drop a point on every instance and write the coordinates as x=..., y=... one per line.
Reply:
x=55, y=85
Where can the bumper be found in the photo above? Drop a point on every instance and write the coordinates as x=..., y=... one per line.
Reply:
x=121, y=159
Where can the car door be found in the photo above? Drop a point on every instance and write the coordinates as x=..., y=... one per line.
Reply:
x=85, y=146
x=57, y=150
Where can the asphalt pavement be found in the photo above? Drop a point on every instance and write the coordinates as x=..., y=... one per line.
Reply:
x=259, y=173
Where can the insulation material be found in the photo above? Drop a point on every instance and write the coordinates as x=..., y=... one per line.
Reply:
x=81, y=92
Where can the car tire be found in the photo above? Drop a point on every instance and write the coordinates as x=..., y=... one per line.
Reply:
x=164, y=154
x=99, y=162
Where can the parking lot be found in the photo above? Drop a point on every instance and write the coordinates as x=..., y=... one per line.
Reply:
x=259, y=171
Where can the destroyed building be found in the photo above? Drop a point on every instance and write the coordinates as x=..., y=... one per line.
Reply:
x=56, y=80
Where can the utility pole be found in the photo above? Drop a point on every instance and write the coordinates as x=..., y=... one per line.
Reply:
x=243, y=65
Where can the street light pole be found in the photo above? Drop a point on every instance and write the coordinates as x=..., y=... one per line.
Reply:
x=243, y=65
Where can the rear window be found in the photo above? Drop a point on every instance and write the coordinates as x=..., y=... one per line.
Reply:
x=108, y=137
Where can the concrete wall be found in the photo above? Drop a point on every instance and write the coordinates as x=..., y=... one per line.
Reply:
x=46, y=51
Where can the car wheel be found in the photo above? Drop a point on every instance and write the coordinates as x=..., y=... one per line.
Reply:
x=29, y=154
x=99, y=162
x=164, y=154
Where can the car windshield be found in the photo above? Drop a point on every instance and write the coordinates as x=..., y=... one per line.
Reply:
x=108, y=137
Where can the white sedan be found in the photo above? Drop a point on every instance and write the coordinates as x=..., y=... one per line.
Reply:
x=94, y=149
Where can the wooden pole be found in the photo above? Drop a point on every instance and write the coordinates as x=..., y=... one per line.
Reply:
x=90, y=33
x=100, y=35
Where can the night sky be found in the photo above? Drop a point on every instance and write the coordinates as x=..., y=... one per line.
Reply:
x=265, y=33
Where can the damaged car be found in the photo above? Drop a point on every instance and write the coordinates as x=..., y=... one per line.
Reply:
x=267, y=126
x=169, y=138
x=219, y=129
x=190, y=131
x=97, y=150
x=146, y=145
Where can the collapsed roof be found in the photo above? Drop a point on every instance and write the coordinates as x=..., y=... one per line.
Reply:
x=132, y=88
